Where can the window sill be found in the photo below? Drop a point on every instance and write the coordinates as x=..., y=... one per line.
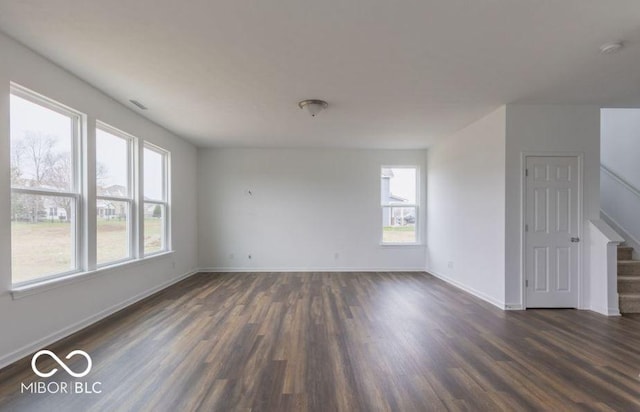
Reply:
x=20, y=291
x=402, y=245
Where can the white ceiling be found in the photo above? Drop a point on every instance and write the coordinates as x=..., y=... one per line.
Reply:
x=396, y=74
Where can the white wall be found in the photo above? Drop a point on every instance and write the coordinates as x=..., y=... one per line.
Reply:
x=549, y=129
x=466, y=208
x=620, y=140
x=41, y=318
x=310, y=209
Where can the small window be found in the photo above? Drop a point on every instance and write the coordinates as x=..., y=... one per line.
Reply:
x=399, y=204
x=156, y=205
x=45, y=187
x=114, y=200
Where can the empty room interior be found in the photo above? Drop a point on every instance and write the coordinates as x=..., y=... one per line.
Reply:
x=320, y=205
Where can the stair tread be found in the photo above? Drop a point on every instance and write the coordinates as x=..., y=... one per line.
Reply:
x=629, y=295
x=628, y=262
x=628, y=277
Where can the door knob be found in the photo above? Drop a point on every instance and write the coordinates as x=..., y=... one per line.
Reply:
x=575, y=239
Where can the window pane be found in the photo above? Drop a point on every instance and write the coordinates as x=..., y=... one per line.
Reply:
x=41, y=146
x=398, y=185
x=153, y=175
x=42, y=236
x=154, y=218
x=112, y=164
x=399, y=225
x=112, y=231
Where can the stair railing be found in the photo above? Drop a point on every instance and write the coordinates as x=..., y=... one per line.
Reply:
x=620, y=205
x=621, y=180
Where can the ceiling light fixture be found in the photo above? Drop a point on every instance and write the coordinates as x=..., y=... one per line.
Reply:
x=138, y=104
x=313, y=106
x=611, y=48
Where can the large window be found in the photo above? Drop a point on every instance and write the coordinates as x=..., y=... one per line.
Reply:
x=399, y=204
x=52, y=181
x=155, y=199
x=114, y=201
x=45, y=187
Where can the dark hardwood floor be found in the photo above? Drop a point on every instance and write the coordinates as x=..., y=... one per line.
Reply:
x=340, y=342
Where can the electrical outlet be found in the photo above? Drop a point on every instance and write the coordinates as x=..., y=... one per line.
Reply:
x=173, y=264
x=450, y=265
x=249, y=256
x=231, y=256
x=336, y=256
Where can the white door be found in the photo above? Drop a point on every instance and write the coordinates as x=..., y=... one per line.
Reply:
x=552, y=230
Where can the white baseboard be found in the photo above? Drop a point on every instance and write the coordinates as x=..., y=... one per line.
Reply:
x=468, y=289
x=306, y=269
x=606, y=311
x=514, y=306
x=614, y=312
x=54, y=337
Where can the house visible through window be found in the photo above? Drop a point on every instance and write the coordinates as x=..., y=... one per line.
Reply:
x=155, y=199
x=52, y=233
x=114, y=199
x=45, y=187
x=399, y=204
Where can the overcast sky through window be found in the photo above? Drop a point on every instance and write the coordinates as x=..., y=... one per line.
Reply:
x=403, y=183
x=112, y=157
x=27, y=117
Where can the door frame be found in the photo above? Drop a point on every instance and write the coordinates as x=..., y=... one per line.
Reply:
x=523, y=213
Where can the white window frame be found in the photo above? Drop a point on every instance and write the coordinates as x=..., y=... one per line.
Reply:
x=75, y=192
x=84, y=197
x=416, y=206
x=165, y=226
x=129, y=199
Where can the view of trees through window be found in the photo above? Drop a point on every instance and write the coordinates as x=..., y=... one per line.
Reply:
x=44, y=194
x=155, y=197
x=398, y=191
x=114, y=195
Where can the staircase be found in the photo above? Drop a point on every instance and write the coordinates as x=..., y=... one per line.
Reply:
x=628, y=280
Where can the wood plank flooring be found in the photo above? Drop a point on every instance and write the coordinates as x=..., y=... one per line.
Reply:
x=340, y=342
